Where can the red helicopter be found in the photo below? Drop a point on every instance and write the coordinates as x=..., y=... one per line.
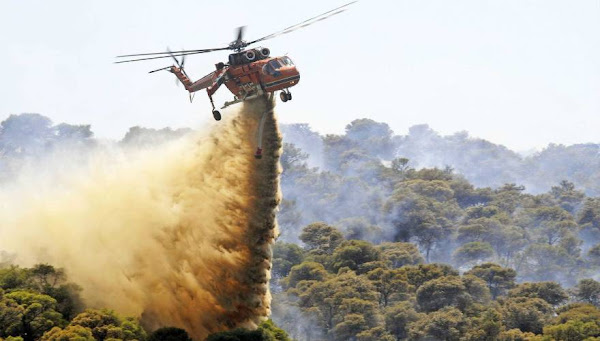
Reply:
x=248, y=74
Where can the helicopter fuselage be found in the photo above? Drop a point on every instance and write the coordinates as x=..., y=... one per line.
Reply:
x=246, y=76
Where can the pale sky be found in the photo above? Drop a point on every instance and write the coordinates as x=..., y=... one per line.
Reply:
x=522, y=73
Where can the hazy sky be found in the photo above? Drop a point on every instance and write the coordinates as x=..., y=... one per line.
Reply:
x=518, y=72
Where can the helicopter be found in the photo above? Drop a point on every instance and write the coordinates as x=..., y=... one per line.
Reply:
x=249, y=72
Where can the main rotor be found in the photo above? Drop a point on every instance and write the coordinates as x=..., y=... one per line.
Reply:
x=237, y=45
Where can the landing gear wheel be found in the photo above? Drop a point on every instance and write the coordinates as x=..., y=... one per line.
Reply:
x=289, y=96
x=216, y=115
x=283, y=96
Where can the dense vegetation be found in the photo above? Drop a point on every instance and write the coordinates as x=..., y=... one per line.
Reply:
x=40, y=304
x=384, y=237
x=339, y=289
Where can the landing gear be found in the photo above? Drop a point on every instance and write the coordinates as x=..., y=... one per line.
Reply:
x=215, y=112
x=285, y=96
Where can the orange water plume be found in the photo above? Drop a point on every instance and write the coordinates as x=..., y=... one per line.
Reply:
x=179, y=235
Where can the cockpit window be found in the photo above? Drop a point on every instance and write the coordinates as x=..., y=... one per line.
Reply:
x=286, y=61
x=275, y=64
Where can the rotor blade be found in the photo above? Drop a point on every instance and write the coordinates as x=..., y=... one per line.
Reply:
x=158, y=57
x=176, y=61
x=240, y=34
x=161, y=69
x=184, y=51
x=182, y=64
x=306, y=22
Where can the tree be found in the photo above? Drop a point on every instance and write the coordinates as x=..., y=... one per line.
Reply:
x=36, y=314
x=375, y=334
x=575, y=322
x=321, y=238
x=391, y=284
x=593, y=255
x=349, y=327
x=526, y=314
x=70, y=333
x=423, y=211
x=241, y=334
x=339, y=296
x=106, y=324
x=419, y=274
x=542, y=261
x=447, y=324
x=588, y=290
x=517, y=335
x=353, y=253
x=473, y=252
x=373, y=137
x=169, y=334
x=398, y=317
x=550, y=292
x=306, y=271
x=400, y=254
x=442, y=292
x=47, y=280
x=486, y=327
x=285, y=256
x=498, y=279
x=589, y=216
x=567, y=197
x=270, y=328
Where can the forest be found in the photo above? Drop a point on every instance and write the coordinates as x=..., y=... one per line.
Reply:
x=383, y=237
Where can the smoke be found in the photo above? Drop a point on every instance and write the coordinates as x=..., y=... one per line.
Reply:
x=179, y=235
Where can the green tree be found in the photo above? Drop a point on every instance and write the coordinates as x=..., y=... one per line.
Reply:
x=306, y=271
x=567, y=196
x=593, y=255
x=375, y=334
x=517, y=335
x=270, y=328
x=486, y=327
x=241, y=334
x=353, y=253
x=374, y=137
x=398, y=317
x=339, y=296
x=550, y=292
x=285, y=256
x=447, y=324
x=473, y=252
x=169, y=334
x=575, y=322
x=106, y=324
x=546, y=262
x=37, y=314
x=589, y=216
x=70, y=333
x=321, y=238
x=419, y=274
x=400, y=254
x=391, y=284
x=48, y=280
x=498, y=279
x=526, y=314
x=588, y=291
x=442, y=292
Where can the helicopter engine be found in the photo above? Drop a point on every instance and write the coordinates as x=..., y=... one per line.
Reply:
x=264, y=52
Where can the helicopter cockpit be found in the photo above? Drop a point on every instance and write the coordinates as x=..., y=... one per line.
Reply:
x=273, y=66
